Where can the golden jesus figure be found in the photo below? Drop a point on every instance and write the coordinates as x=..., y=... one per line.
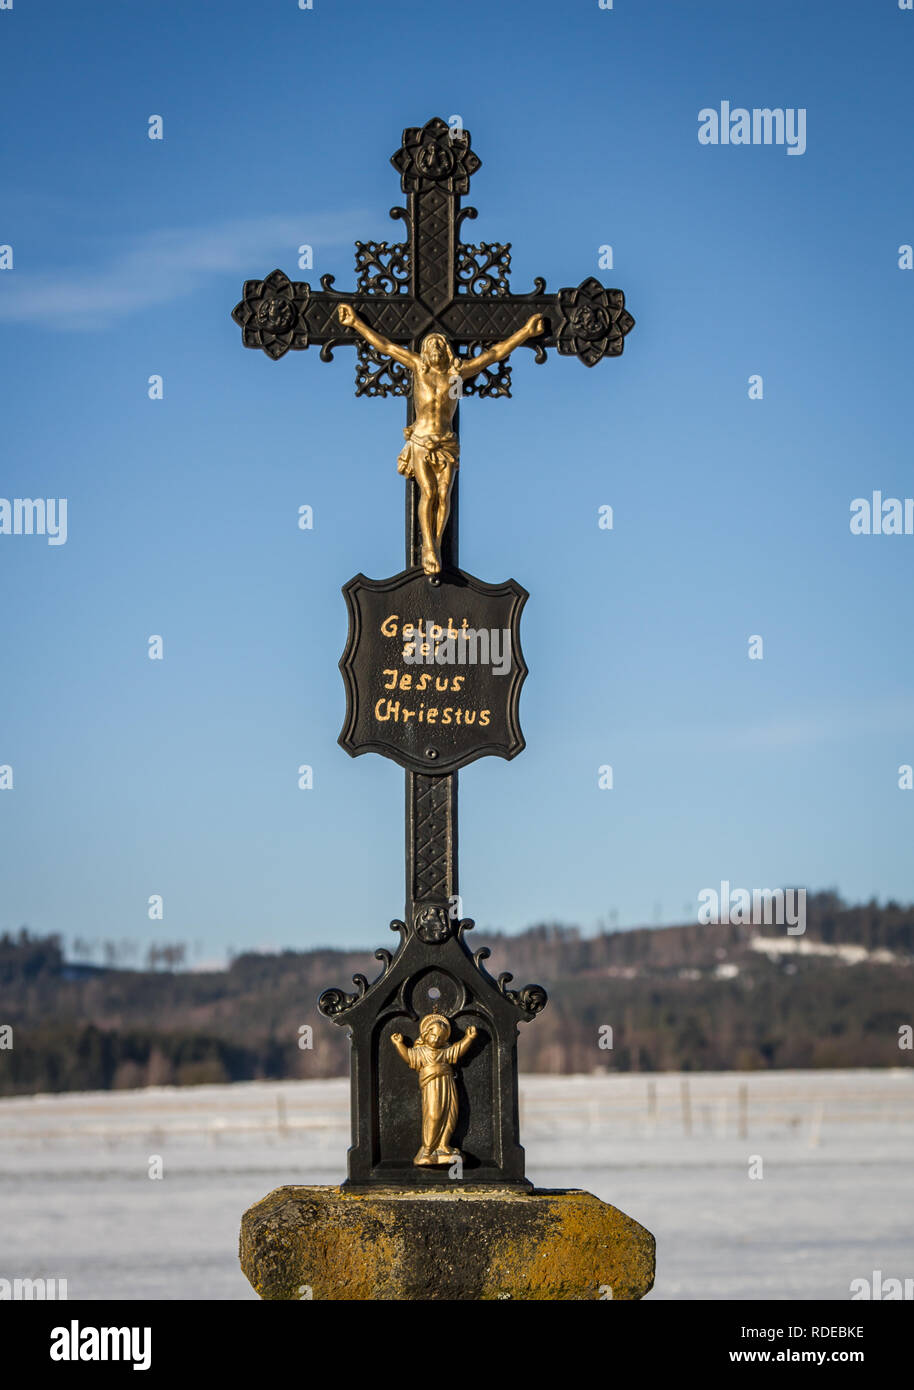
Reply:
x=434, y=1059
x=431, y=453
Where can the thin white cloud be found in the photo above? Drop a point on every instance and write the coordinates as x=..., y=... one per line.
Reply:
x=167, y=264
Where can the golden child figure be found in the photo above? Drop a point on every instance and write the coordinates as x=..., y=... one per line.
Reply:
x=431, y=453
x=434, y=1059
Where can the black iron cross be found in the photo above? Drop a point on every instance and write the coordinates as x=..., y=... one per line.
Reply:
x=432, y=282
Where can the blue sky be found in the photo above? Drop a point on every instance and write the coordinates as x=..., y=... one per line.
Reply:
x=179, y=777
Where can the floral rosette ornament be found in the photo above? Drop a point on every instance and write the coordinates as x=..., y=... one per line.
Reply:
x=271, y=314
x=433, y=153
x=592, y=322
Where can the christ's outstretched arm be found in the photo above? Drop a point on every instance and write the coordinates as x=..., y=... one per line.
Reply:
x=531, y=329
x=460, y=1048
x=350, y=319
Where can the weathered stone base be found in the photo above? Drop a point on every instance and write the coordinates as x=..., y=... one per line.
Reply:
x=469, y=1243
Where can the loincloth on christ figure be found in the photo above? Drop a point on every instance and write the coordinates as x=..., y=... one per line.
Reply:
x=439, y=451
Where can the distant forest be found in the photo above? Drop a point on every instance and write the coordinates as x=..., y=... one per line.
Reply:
x=676, y=998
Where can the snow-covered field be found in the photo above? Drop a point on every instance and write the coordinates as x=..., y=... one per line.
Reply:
x=834, y=1202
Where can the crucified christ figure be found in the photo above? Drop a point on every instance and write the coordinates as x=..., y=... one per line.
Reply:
x=431, y=453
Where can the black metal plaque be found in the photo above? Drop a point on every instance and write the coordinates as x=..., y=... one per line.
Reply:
x=433, y=670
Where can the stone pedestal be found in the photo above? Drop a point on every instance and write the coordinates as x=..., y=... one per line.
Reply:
x=466, y=1243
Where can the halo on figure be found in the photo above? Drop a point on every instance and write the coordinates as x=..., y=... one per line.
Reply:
x=429, y=1019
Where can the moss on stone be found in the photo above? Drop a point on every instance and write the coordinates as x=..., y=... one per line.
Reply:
x=469, y=1243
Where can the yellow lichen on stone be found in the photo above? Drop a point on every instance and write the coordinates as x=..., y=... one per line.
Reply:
x=455, y=1243
x=589, y=1250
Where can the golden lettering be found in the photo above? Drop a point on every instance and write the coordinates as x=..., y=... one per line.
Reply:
x=387, y=710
